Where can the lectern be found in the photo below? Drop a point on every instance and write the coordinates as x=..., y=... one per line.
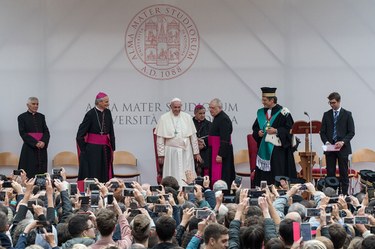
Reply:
x=307, y=156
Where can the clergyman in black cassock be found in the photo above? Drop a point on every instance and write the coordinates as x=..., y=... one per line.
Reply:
x=35, y=135
x=220, y=145
x=202, y=125
x=96, y=142
x=273, y=160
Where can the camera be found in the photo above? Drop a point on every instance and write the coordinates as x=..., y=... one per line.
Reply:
x=152, y=199
x=94, y=199
x=156, y=188
x=263, y=184
x=110, y=198
x=238, y=181
x=7, y=184
x=56, y=171
x=159, y=208
x=2, y=195
x=127, y=185
x=255, y=193
x=188, y=189
x=115, y=185
x=134, y=212
x=202, y=213
x=312, y=212
x=342, y=213
x=333, y=200
x=44, y=224
x=328, y=209
x=360, y=220
x=85, y=200
x=17, y=172
x=93, y=187
x=199, y=181
x=73, y=189
x=128, y=192
x=303, y=187
x=40, y=180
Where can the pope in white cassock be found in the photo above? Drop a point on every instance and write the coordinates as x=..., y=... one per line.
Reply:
x=177, y=142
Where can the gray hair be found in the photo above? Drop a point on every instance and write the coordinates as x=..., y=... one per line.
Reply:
x=218, y=102
x=98, y=100
x=219, y=185
x=32, y=99
x=298, y=208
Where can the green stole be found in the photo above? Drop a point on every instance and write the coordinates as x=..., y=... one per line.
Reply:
x=265, y=148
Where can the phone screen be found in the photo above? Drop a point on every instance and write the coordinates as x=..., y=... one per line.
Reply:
x=306, y=231
x=152, y=199
x=159, y=208
x=128, y=192
x=73, y=189
x=84, y=200
x=155, y=188
x=238, y=180
x=94, y=199
x=202, y=213
x=188, y=189
x=311, y=212
x=110, y=198
x=2, y=195
x=263, y=184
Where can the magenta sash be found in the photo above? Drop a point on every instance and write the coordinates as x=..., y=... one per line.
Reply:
x=214, y=143
x=93, y=138
x=97, y=139
x=36, y=135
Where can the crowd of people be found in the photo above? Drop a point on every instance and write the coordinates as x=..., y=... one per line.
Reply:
x=200, y=202
x=48, y=212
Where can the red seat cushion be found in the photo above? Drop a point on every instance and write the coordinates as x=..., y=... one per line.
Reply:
x=316, y=173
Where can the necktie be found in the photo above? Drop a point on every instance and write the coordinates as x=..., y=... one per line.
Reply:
x=335, y=115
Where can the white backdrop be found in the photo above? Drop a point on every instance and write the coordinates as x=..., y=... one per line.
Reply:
x=64, y=52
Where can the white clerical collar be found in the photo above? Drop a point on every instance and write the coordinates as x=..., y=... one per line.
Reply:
x=99, y=109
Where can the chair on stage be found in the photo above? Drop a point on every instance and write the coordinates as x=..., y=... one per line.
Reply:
x=363, y=159
x=241, y=163
x=125, y=165
x=8, y=163
x=321, y=172
x=68, y=160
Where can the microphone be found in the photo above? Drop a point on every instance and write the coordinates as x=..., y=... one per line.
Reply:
x=306, y=114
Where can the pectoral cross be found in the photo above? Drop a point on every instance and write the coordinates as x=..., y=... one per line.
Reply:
x=175, y=132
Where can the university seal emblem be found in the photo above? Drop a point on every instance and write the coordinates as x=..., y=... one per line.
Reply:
x=162, y=42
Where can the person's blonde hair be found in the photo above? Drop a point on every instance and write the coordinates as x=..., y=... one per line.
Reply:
x=313, y=244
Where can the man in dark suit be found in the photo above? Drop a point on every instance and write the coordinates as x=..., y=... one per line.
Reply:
x=338, y=129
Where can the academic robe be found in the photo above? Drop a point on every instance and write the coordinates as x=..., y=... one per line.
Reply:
x=203, y=128
x=96, y=160
x=33, y=160
x=220, y=144
x=282, y=159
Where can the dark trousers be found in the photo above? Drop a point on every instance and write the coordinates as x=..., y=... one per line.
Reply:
x=331, y=159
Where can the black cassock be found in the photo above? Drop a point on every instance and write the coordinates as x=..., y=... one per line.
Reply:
x=222, y=127
x=203, y=128
x=95, y=160
x=33, y=160
x=282, y=159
